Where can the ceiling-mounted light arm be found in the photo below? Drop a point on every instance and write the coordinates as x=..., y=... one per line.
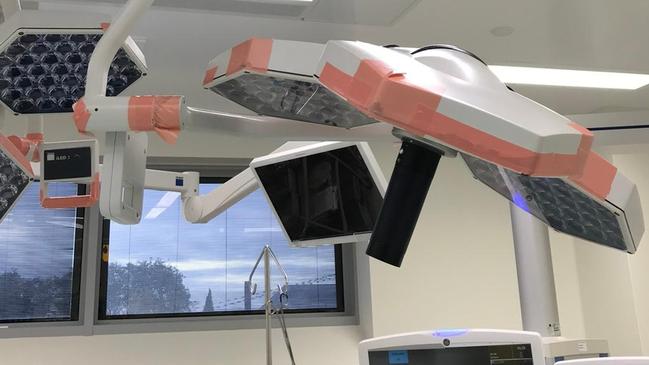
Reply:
x=10, y=7
x=109, y=44
x=203, y=208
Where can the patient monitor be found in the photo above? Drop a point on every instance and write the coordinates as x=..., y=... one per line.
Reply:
x=454, y=347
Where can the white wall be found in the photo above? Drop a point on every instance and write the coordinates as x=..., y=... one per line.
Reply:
x=636, y=168
x=459, y=272
x=316, y=346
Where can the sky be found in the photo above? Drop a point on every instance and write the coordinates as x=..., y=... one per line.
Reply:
x=218, y=255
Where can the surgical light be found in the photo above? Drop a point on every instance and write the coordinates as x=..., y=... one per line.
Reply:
x=44, y=61
x=559, y=204
x=15, y=175
x=441, y=100
x=46, y=73
x=570, y=78
x=289, y=98
x=273, y=87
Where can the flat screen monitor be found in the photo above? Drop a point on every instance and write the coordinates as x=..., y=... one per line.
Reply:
x=323, y=193
x=514, y=354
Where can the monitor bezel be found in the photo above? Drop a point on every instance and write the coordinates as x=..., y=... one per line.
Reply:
x=314, y=149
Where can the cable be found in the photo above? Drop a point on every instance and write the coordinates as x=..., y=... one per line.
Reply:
x=448, y=46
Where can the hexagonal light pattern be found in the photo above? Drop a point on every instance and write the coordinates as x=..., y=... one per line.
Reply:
x=13, y=181
x=291, y=99
x=46, y=72
x=553, y=201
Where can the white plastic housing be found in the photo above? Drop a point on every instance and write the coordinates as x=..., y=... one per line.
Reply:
x=123, y=177
x=608, y=361
x=452, y=339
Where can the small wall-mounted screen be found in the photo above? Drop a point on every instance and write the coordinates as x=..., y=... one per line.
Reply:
x=67, y=163
x=329, y=194
x=476, y=355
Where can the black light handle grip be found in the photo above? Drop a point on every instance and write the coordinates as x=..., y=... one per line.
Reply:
x=413, y=173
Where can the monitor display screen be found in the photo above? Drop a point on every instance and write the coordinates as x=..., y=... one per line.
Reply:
x=68, y=163
x=518, y=354
x=328, y=194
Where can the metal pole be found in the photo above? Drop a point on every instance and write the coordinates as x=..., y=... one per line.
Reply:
x=536, y=288
x=267, y=306
x=247, y=295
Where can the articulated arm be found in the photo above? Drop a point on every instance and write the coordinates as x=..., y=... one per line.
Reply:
x=203, y=208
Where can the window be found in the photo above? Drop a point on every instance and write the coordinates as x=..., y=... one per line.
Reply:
x=40, y=259
x=165, y=266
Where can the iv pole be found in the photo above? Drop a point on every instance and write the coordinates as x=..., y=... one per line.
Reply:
x=266, y=254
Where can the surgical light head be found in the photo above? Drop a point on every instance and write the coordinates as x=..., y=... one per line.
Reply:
x=44, y=61
x=15, y=175
x=252, y=75
x=441, y=101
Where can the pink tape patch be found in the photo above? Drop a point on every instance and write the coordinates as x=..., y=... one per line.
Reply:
x=16, y=154
x=597, y=176
x=82, y=201
x=155, y=113
x=387, y=96
x=253, y=54
x=209, y=75
x=81, y=115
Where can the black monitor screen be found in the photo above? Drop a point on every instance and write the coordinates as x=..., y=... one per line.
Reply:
x=478, y=355
x=329, y=194
x=68, y=163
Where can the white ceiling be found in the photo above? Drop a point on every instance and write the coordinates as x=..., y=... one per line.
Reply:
x=330, y=11
x=611, y=35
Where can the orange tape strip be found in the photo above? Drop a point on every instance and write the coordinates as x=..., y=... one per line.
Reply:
x=155, y=113
x=81, y=115
x=597, y=176
x=209, y=75
x=387, y=96
x=16, y=153
x=253, y=54
x=82, y=201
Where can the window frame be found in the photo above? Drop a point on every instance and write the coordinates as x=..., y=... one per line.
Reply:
x=103, y=284
x=219, y=170
x=77, y=266
x=89, y=322
x=76, y=325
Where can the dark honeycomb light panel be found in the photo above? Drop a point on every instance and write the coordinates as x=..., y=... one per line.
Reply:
x=46, y=73
x=555, y=202
x=291, y=99
x=13, y=182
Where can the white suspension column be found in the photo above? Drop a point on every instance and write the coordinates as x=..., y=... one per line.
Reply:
x=537, y=291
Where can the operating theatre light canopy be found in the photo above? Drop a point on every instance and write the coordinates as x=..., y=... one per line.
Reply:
x=44, y=61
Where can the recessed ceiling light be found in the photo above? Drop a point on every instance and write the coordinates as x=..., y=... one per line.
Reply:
x=570, y=78
x=502, y=31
